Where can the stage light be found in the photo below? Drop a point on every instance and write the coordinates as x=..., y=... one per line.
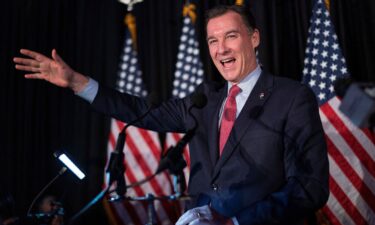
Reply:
x=69, y=163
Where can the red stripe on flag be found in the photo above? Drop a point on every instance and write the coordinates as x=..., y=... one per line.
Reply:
x=357, y=148
x=120, y=125
x=150, y=143
x=131, y=177
x=355, y=179
x=138, y=157
x=369, y=135
x=346, y=203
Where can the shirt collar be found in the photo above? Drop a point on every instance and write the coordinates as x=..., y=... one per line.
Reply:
x=247, y=84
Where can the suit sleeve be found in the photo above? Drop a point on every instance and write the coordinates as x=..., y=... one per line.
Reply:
x=306, y=165
x=167, y=117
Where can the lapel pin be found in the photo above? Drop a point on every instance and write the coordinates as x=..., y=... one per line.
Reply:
x=261, y=95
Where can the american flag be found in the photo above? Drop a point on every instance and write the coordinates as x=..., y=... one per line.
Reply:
x=189, y=71
x=351, y=151
x=142, y=153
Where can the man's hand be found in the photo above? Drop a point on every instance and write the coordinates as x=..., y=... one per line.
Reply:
x=53, y=70
x=203, y=215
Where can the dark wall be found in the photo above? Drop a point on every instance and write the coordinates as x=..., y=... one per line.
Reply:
x=37, y=119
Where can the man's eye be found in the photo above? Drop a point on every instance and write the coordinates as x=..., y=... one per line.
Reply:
x=210, y=42
x=231, y=36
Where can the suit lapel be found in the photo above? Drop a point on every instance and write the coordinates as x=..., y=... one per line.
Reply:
x=252, y=108
x=216, y=98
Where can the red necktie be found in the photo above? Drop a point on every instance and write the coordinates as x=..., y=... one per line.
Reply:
x=229, y=116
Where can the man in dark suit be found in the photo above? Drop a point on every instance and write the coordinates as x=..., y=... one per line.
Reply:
x=258, y=155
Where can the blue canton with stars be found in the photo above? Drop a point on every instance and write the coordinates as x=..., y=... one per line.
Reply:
x=324, y=62
x=189, y=70
x=129, y=75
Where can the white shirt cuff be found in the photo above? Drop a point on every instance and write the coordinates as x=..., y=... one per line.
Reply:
x=90, y=91
x=235, y=221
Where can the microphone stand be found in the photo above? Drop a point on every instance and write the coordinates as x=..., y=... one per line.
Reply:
x=151, y=213
x=179, y=183
x=116, y=169
x=173, y=161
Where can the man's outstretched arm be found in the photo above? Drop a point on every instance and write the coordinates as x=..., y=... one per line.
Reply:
x=53, y=70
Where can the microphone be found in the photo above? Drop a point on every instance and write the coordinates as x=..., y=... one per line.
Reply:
x=173, y=159
x=116, y=166
x=357, y=101
x=341, y=85
x=199, y=101
x=358, y=104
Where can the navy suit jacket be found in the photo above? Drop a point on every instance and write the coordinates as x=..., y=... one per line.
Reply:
x=274, y=167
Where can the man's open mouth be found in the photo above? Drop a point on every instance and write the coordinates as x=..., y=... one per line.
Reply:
x=227, y=62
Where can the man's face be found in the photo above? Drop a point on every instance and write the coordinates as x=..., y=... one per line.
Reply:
x=47, y=205
x=232, y=47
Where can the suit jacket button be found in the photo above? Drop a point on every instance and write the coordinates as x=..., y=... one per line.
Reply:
x=214, y=187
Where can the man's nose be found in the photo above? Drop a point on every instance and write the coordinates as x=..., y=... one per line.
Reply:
x=222, y=47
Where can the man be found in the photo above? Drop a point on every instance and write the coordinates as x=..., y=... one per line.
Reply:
x=258, y=155
x=52, y=210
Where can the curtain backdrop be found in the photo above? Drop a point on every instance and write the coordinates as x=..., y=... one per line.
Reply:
x=37, y=118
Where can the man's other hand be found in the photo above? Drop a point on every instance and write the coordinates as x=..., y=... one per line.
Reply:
x=203, y=215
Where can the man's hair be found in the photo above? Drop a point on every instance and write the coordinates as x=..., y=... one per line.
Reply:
x=247, y=17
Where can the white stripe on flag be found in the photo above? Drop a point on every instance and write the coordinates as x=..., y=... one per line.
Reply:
x=346, y=185
x=346, y=150
x=338, y=211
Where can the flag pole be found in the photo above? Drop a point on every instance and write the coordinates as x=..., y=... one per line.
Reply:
x=129, y=21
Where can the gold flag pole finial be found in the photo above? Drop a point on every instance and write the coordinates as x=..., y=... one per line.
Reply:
x=328, y=4
x=129, y=19
x=239, y=2
x=130, y=23
x=189, y=9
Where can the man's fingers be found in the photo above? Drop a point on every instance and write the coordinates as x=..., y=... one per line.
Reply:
x=35, y=76
x=188, y=217
x=56, y=57
x=32, y=54
x=26, y=62
x=27, y=68
x=200, y=222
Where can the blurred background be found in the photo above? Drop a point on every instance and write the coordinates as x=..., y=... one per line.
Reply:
x=36, y=118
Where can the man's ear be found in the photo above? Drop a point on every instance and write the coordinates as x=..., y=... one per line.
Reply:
x=255, y=38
